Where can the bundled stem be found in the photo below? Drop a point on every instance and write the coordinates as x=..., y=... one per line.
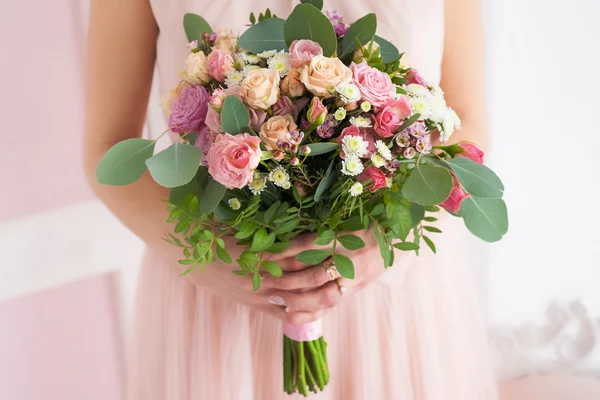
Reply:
x=304, y=366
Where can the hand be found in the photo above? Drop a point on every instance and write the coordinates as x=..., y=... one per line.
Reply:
x=308, y=293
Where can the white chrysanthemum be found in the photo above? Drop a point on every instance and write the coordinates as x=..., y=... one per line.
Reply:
x=234, y=203
x=365, y=106
x=249, y=68
x=416, y=90
x=250, y=58
x=279, y=177
x=339, y=114
x=234, y=78
x=258, y=185
x=420, y=105
x=361, y=122
x=267, y=54
x=378, y=160
x=438, y=108
x=383, y=150
x=354, y=146
x=352, y=166
x=348, y=92
x=457, y=122
x=448, y=127
x=356, y=189
x=437, y=91
x=280, y=63
x=287, y=186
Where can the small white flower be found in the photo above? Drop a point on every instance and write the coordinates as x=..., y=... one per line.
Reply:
x=360, y=122
x=339, y=114
x=437, y=91
x=438, y=108
x=377, y=160
x=279, y=62
x=287, y=186
x=348, y=92
x=457, y=122
x=234, y=78
x=356, y=189
x=420, y=106
x=258, y=185
x=383, y=150
x=365, y=106
x=234, y=203
x=250, y=58
x=267, y=54
x=448, y=127
x=352, y=166
x=416, y=90
x=388, y=182
x=279, y=177
x=354, y=146
x=249, y=68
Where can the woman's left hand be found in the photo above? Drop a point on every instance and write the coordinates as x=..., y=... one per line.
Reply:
x=309, y=292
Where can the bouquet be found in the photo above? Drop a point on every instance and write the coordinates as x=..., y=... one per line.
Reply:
x=300, y=126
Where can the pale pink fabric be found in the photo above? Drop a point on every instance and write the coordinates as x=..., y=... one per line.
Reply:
x=415, y=334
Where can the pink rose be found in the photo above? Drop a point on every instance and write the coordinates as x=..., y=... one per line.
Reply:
x=368, y=135
x=317, y=112
x=275, y=129
x=285, y=106
x=257, y=118
x=220, y=64
x=457, y=196
x=414, y=77
x=389, y=118
x=189, y=109
x=232, y=159
x=302, y=51
x=472, y=152
x=375, y=86
x=217, y=98
x=213, y=120
x=376, y=176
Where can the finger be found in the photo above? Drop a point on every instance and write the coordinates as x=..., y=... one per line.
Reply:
x=311, y=277
x=321, y=298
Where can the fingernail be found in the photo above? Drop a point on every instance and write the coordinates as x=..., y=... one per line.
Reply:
x=277, y=300
x=287, y=309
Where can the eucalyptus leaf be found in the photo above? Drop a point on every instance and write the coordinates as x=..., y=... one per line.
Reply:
x=476, y=178
x=325, y=182
x=125, y=162
x=344, y=265
x=212, y=195
x=176, y=165
x=234, y=116
x=317, y=149
x=264, y=36
x=485, y=218
x=428, y=185
x=317, y=3
x=312, y=257
x=195, y=26
x=362, y=29
x=389, y=52
x=308, y=22
x=194, y=187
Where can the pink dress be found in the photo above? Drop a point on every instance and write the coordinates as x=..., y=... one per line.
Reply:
x=415, y=334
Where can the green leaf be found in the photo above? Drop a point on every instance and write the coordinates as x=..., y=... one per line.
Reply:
x=485, y=218
x=352, y=224
x=249, y=258
x=325, y=182
x=430, y=244
x=364, y=29
x=477, y=179
x=288, y=226
x=240, y=272
x=262, y=240
x=351, y=242
x=234, y=116
x=256, y=281
x=195, y=26
x=176, y=165
x=252, y=19
x=408, y=122
x=312, y=257
x=125, y=162
x=272, y=268
x=406, y=246
x=176, y=240
x=344, y=265
x=316, y=149
x=246, y=229
x=270, y=213
x=389, y=52
x=428, y=185
x=264, y=36
x=223, y=255
x=212, y=195
x=432, y=229
x=278, y=247
x=195, y=187
x=378, y=209
x=307, y=22
x=399, y=218
x=325, y=237
x=317, y=3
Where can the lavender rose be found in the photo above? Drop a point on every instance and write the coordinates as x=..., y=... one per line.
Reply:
x=188, y=110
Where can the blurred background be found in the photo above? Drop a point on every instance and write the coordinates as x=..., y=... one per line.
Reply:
x=68, y=268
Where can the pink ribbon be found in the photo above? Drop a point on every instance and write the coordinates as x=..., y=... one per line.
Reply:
x=305, y=332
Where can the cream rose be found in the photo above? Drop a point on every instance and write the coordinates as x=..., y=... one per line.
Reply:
x=225, y=40
x=291, y=84
x=260, y=88
x=196, y=69
x=323, y=74
x=276, y=128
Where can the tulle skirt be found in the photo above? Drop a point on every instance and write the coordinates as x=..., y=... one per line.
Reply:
x=415, y=334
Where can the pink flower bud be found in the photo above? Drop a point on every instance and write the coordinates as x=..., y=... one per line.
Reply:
x=306, y=150
x=452, y=203
x=278, y=155
x=317, y=112
x=470, y=151
x=295, y=161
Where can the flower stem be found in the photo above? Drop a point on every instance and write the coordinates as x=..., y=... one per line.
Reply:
x=317, y=362
x=288, y=384
x=301, y=382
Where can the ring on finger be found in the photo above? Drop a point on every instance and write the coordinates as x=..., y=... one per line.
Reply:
x=332, y=271
x=343, y=289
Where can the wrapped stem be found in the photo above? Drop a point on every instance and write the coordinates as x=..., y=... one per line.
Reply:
x=304, y=366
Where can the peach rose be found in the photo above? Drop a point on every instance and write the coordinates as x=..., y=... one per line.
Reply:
x=276, y=128
x=196, y=69
x=260, y=88
x=225, y=40
x=291, y=84
x=323, y=74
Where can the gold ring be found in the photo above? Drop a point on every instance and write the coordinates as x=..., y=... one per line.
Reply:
x=332, y=271
x=343, y=289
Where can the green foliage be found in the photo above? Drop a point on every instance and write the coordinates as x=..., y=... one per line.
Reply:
x=351, y=242
x=428, y=185
x=388, y=51
x=234, y=116
x=125, y=162
x=344, y=265
x=264, y=36
x=476, y=178
x=175, y=166
x=325, y=237
x=325, y=182
x=485, y=218
x=406, y=246
x=362, y=30
x=312, y=257
x=195, y=26
x=317, y=3
x=307, y=22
